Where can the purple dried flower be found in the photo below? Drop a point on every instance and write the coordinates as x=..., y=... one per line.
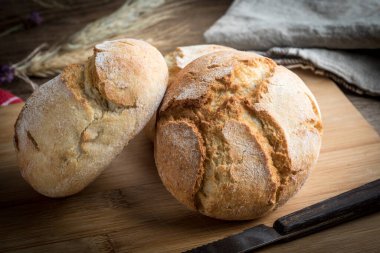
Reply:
x=7, y=74
x=33, y=19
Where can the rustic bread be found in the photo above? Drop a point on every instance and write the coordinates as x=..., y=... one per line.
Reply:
x=177, y=60
x=237, y=135
x=72, y=127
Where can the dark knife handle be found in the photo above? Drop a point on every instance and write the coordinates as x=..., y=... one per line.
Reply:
x=341, y=208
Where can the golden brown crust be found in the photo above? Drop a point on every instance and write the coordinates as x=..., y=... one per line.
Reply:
x=72, y=127
x=176, y=61
x=182, y=56
x=185, y=166
x=258, y=145
x=230, y=188
x=120, y=67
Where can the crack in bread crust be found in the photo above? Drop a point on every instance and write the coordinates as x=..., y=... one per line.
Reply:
x=86, y=91
x=317, y=124
x=278, y=148
x=32, y=140
x=188, y=158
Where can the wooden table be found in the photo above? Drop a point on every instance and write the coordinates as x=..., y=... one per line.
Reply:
x=127, y=209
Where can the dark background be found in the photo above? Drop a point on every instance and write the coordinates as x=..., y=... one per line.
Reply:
x=61, y=22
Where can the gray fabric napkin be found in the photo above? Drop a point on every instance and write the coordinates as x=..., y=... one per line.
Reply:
x=297, y=33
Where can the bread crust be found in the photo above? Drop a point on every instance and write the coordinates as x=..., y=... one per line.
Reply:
x=183, y=178
x=73, y=126
x=261, y=132
x=176, y=61
x=182, y=56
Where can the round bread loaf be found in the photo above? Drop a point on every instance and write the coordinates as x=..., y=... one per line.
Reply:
x=177, y=60
x=236, y=135
x=73, y=126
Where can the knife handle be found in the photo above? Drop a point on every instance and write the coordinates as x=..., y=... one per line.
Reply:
x=344, y=207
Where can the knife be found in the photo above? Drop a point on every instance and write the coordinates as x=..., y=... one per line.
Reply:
x=347, y=206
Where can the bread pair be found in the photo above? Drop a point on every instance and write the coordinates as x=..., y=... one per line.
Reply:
x=236, y=134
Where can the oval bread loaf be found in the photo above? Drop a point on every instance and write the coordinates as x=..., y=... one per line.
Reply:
x=176, y=61
x=236, y=135
x=73, y=126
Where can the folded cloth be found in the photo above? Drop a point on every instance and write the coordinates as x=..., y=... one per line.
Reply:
x=308, y=24
x=7, y=98
x=356, y=70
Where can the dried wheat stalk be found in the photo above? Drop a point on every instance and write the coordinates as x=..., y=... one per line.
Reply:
x=128, y=20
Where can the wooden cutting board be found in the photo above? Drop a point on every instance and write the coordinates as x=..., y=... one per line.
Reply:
x=127, y=209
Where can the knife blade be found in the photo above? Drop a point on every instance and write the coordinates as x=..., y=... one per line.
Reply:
x=249, y=239
x=349, y=205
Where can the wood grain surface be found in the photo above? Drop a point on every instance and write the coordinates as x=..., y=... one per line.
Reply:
x=127, y=209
